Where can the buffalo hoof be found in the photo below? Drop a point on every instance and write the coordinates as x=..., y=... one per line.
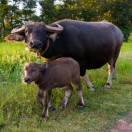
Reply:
x=62, y=107
x=107, y=86
x=52, y=108
x=44, y=117
x=80, y=105
x=92, y=88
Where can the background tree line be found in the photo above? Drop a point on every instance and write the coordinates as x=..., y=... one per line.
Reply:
x=14, y=13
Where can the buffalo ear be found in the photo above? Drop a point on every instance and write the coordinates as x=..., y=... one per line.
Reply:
x=42, y=67
x=53, y=36
x=14, y=37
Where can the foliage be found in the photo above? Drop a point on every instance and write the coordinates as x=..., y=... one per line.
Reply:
x=130, y=38
x=48, y=12
x=118, y=12
x=28, y=10
x=19, y=110
x=11, y=16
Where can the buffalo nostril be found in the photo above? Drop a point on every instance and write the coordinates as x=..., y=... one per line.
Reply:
x=39, y=44
x=36, y=44
x=26, y=79
x=31, y=44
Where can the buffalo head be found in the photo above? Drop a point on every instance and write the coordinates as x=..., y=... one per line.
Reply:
x=31, y=72
x=35, y=34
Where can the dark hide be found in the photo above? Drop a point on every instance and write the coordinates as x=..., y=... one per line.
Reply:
x=92, y=44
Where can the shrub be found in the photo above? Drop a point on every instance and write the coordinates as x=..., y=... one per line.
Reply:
x=130, y=38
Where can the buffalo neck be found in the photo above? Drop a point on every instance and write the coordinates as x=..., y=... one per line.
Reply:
x=40, y=82
x=54, y=50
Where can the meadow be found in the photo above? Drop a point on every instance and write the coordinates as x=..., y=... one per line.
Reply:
x=19, y=111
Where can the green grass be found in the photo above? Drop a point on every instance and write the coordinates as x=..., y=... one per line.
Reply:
x=19, y=111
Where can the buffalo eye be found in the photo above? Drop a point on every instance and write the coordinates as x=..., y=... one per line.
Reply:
x=26, y=32
x=34, y=70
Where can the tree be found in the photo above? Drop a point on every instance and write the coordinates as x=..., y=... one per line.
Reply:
x=3, y=15
x=70, y=9
x=48, y=11
x=14, y=14
x=28, y=10
x=118, y=12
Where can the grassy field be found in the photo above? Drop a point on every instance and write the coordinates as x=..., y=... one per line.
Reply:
x=19, y=111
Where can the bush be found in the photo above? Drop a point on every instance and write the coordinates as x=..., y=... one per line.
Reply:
x=130, y=38
x=126, y=31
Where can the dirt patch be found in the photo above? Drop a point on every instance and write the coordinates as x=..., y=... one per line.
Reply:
x=124, y=124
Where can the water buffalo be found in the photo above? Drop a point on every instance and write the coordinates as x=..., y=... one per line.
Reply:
x=92, y=44
x=56, y=73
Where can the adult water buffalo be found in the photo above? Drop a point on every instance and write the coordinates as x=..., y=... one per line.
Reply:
x=92, y=44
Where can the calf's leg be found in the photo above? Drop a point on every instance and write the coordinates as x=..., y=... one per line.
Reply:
x=40, y=98
x=68, y=91
x=46, y=104
x=80, y=94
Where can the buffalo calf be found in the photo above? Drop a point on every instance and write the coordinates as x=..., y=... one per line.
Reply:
x=57, y=73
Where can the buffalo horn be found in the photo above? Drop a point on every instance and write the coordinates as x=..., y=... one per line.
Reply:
x=54, y=29
x=18, y=30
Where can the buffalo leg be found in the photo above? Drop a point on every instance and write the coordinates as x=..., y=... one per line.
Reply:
x=89, y=84
x=115, y=74
x=111, y=70
x=46, y=104
x=68, y=91
x=84, y=75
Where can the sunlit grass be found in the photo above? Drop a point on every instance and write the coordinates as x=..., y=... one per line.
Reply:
x=19, y=110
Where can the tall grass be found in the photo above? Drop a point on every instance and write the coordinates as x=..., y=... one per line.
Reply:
x=20, y=112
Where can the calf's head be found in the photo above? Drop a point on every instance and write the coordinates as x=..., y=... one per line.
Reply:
x=31, y=72
x=35, y=34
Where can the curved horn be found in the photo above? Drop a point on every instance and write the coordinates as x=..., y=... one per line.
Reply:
x=54, y=29
x=18, y=30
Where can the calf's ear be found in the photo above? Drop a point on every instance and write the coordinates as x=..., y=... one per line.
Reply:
x=14, y=37
x=42, y=67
